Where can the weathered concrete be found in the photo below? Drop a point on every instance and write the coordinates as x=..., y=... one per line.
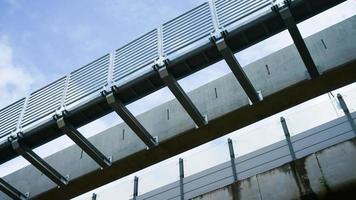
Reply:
x=331, y=173
x=261, y=161
x=281, y=89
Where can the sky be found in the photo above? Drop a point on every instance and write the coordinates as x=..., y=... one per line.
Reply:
x=41, y=41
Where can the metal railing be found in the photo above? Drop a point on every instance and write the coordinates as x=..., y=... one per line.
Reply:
x=246, y=152
x=87, y=83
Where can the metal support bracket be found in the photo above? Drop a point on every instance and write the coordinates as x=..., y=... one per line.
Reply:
x=298, y=40
x=287, y=134
x=11, y=191
x=181, y=96
x=346, y=112
x=236, y=69
x=129, y=119
x=82, y=142
x=38, y=162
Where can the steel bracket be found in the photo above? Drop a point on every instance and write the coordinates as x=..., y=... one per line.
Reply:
x=129, y=119
x=182, y=97
x=11, y=191
x=288, y=19
x=237, y=70
x=23, y=150
x=81, y=141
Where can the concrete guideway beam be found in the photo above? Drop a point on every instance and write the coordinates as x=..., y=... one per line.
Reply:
x=129, y=119
x=182, y=97
x=236, y=69
x=11, y=191
x=82, y=142
x=38, y=162
x=298, y=40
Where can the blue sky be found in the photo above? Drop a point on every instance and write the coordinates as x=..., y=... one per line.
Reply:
x=41, y=41
x=45, y=40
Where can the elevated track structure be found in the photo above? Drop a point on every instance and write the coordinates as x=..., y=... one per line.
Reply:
x=209, y=33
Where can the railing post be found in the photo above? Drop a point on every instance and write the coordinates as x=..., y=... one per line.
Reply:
x=181, y=177
x=297, y=168
x=346, y=111
x=135, y=190
x=232, y=158
x=287, y=134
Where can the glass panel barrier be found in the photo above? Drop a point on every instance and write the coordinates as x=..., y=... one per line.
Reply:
x=350, y=99
x=123, y=189
x=208, y=156
x=313, y=115
x=158, y=176
x=257, y=136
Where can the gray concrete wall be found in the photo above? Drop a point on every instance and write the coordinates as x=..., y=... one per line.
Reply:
x=258, y=163
x=130, y=154
x=330, y=172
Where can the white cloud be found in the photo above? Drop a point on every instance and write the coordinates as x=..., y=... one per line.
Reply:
x=15, y=80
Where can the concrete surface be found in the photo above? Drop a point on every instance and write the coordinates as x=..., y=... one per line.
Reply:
x=331, y=174
x=294, y=176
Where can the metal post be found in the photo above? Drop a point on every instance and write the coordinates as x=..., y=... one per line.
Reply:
x=181, y=177
x=347, y=112
x=298, y=40
x=11, y=191
x=232, y=158
x=287, y=134
x=297, y=167
x=93, y=197
x=135, y=191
